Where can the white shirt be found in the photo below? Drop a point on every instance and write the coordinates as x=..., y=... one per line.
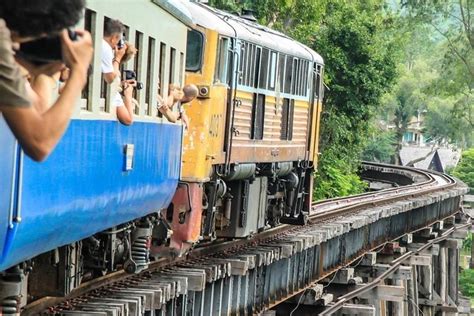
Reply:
x=108, y=67
x=107, y=58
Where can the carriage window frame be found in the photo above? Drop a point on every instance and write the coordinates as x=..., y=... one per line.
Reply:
x=223, y=61
x=264, y=68
x=198, y=53
x=273, y=68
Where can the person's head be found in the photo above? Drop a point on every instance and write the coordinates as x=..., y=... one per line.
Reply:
x=190, y=93
x=130, y=52
x=113, y=31
x=30, y=19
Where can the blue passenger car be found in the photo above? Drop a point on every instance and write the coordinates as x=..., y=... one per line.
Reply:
x=84, y=187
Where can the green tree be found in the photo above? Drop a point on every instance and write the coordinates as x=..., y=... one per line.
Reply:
x=380, y=147
x=465, y=169
x=452, y=21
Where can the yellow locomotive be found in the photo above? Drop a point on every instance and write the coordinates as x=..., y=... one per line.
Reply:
x=252, y=145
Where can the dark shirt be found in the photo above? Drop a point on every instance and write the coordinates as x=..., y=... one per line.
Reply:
x=12, y=84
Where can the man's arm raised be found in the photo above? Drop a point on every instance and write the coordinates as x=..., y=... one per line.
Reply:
x=39, y=133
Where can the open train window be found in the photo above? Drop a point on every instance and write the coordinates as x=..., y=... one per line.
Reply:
x=194, y=51
x=161, y=68
x=287, y=115
x=288, y=74
x=304, y=84
x=317, y=81
x=262, y=84
x=89, y=25
x=172, y=68
x=242, y=64
x=223, y=61
x=258, y=116
x=257, y=66
x=138, y=61
x=149, y=90
x=281, y=70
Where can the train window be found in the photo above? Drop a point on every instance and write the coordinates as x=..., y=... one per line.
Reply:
x=172, y=65
x=317, y=81
x=257, y=73
x=281, y=70
x=249, y=67
x=258, y=116
x=194, y=50
x=161, y=69
x=242, y=64
x=138, y=61
x=272, y=71
x=181, y=68
x=287, y=116
x=262, y=84
x=295, y=76
x=222, y=61
x=305, y=79
x=288, y=74
x=89, y=25
x=150, y=74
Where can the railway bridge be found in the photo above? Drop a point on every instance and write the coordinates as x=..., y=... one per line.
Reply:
x=393, y=251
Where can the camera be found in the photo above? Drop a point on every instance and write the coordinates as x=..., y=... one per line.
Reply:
x=132, y=75
x=44, y=50
x=121, y=42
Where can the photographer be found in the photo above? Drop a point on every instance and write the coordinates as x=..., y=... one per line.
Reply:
x=23, y=21
x=113, y=50
x=114, y=53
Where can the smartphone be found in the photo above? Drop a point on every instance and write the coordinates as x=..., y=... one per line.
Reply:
x=44, y=50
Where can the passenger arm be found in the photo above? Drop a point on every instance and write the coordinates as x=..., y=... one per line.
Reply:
x=39, y=133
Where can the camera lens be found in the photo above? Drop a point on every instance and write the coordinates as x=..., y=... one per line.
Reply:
x=139, y=85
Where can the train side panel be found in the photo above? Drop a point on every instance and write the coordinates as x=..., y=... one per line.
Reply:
x=94, y=180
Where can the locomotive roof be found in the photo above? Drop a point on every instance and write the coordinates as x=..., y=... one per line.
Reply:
x=176, y=9
x=235, y=26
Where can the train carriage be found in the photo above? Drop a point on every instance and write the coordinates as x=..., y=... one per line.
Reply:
x=103, y=179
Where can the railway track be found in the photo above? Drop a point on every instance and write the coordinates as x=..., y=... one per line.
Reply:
x=249, y=276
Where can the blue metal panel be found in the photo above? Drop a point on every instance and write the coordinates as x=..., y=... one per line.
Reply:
x=82, y=188
x=8, y=157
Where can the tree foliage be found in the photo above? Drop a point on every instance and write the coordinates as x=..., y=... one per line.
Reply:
x=465, y=169
x=452, y=22
x=380, y=147
x=466, y=282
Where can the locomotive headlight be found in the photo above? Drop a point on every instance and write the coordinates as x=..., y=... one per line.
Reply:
x=204, y=91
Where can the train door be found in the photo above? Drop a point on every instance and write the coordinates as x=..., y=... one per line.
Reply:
x=235, y=60
x=316, y=102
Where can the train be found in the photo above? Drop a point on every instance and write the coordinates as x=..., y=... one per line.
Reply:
x=114, y=197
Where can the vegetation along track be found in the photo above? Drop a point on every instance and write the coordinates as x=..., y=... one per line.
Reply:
x=251, y=275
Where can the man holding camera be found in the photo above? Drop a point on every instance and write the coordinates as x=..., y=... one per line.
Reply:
x=113, y=51
x=23, y=21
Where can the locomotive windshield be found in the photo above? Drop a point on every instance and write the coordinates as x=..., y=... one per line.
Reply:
x=194, y=51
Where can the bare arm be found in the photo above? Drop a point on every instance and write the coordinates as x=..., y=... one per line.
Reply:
x=165, y=108
x=39, y=133
x=125, y=113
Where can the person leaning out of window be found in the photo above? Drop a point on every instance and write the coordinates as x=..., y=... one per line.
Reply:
x=25, y=21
